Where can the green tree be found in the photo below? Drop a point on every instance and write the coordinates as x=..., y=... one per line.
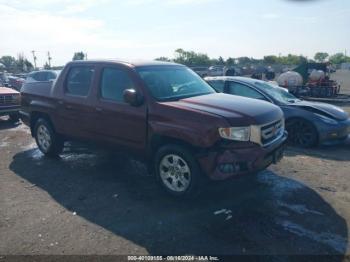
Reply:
x=22, y=64
x=47, y=66
x=9, y=62
x=292, y=59
x=321, y=56
x=339, y=58
x=191, y=58
x=270, y=59
x=242, y=61
x=230, y=61
x=163, y=58
x=221, y=61
x=78, y=56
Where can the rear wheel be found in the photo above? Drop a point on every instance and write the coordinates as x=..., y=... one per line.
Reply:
x=46, y=138
x=177, y=170
x=302, y=133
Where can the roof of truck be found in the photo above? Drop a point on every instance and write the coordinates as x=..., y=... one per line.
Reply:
x=134, y=63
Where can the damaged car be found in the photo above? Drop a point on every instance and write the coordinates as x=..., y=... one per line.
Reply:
x=308, y=123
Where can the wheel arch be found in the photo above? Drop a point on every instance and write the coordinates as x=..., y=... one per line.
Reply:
x=34, y=116
x=158, y=141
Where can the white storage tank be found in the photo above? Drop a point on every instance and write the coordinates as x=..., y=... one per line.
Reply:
x=316, y=75
x=290, y=79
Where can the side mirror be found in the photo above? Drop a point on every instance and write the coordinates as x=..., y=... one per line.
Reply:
x=132, y=97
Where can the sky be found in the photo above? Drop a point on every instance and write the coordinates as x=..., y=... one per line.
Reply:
x=146, y=29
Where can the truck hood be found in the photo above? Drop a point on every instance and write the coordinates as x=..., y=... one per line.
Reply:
x=237, y=110
x=322, y=109
x=6, y=90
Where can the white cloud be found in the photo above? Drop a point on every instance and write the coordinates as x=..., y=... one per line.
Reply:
x=63, y=35
x=270, y=16
x=35, y=30
x=168, y=2
x=55, y=6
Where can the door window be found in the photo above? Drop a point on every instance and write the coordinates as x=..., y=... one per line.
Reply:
x=218, y=85
x=79, y=80
x=243, y=90
x=113, y=83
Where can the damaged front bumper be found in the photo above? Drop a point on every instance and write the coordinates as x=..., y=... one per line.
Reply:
x=226, y=162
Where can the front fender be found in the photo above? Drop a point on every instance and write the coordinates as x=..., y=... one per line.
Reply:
x=193, y=136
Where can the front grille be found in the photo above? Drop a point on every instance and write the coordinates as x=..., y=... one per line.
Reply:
x=7, y=100
x=271, y=131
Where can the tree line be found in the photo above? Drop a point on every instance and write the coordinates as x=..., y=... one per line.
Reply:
x=191, y=58
x=16, y=65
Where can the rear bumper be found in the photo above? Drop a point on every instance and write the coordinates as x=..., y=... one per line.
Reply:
x=6, y=110
x=333, y=134
x=226, y=163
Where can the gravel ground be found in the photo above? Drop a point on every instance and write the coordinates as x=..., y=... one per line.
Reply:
x=86, y=203
x=343, y=78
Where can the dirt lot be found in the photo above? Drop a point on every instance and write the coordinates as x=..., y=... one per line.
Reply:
x=85, y=203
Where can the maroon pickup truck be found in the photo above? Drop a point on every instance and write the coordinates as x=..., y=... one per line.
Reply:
x=164, y=113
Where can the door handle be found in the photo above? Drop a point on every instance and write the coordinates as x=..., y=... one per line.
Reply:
x=98, y=109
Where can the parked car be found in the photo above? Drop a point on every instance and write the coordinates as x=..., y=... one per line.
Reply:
x=164, y=113
x=217, y=70
x=42, y=76
x=9, y=103
x=16, y=82
x=202, y=71
x=308, y=123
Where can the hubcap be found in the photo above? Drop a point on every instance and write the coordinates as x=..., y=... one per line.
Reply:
x=301, y=133
x=44, y=138
x=175, y=173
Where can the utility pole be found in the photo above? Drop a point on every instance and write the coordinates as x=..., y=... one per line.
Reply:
x=34, y=58
x=49, y=58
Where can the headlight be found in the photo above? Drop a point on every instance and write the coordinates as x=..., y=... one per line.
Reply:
x=235, y=133
x=327, y=119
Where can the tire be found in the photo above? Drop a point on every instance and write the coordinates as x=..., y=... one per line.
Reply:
x=49, y=143
x=302, y=133
x=14, y=117
x=183, y=179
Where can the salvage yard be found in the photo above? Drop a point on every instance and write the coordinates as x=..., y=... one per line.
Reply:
x=86, y=203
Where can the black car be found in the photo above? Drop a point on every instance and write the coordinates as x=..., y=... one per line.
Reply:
x=308, y=123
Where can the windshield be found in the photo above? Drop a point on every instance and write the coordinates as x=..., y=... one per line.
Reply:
x=277, y=93
x=169, y=83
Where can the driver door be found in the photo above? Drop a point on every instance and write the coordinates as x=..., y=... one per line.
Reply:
x=238, y=89
x=116, y=121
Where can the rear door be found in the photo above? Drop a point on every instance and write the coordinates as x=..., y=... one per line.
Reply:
x=75, y=107
x=118, y=122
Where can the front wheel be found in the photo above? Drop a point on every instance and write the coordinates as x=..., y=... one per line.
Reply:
x=177, y=170
x=302, y=133
x=49, y=143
